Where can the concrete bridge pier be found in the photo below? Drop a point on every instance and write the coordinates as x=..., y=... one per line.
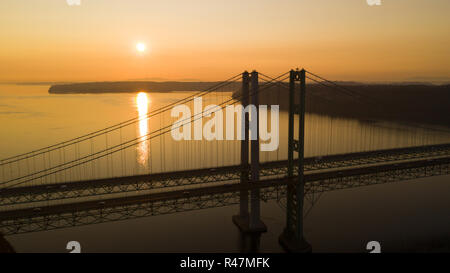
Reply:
x=249, y=242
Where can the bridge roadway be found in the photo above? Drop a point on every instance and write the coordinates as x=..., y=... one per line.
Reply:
x=114, y=209
x=80, y=189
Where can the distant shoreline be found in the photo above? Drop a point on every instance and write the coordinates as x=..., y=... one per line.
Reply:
x=171, y=86
x=137, y=86
x=421, y=103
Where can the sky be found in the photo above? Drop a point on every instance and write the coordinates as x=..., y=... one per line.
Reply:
x=49, y=40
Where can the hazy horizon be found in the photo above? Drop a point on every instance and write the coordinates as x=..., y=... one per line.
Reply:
x=436, y=81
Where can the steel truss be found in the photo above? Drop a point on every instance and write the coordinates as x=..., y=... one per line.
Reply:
x=94, y=212
x=80, y=189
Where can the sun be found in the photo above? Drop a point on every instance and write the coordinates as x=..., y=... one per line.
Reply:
x=141, y=47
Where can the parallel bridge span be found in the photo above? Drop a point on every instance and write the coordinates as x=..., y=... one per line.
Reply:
x=48, y=192
x=115, y=209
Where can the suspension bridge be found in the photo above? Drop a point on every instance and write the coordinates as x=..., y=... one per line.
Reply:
x=119, y=173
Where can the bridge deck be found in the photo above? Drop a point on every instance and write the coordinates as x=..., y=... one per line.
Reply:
x=90, y=212
x=47, y=192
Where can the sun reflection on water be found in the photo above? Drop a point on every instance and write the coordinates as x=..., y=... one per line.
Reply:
x=142, y=102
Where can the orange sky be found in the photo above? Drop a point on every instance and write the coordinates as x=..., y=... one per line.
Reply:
x=48, y=40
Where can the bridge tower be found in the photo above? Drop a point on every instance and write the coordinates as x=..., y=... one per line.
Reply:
x=292, y=239
x=249, y=222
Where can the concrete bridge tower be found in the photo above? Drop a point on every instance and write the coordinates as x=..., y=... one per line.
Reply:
x=292, y=239
x=250, y=222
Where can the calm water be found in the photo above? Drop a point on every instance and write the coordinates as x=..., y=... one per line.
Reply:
x=399, y=215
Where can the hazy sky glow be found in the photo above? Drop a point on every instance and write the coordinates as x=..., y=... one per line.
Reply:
x=48, y=40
